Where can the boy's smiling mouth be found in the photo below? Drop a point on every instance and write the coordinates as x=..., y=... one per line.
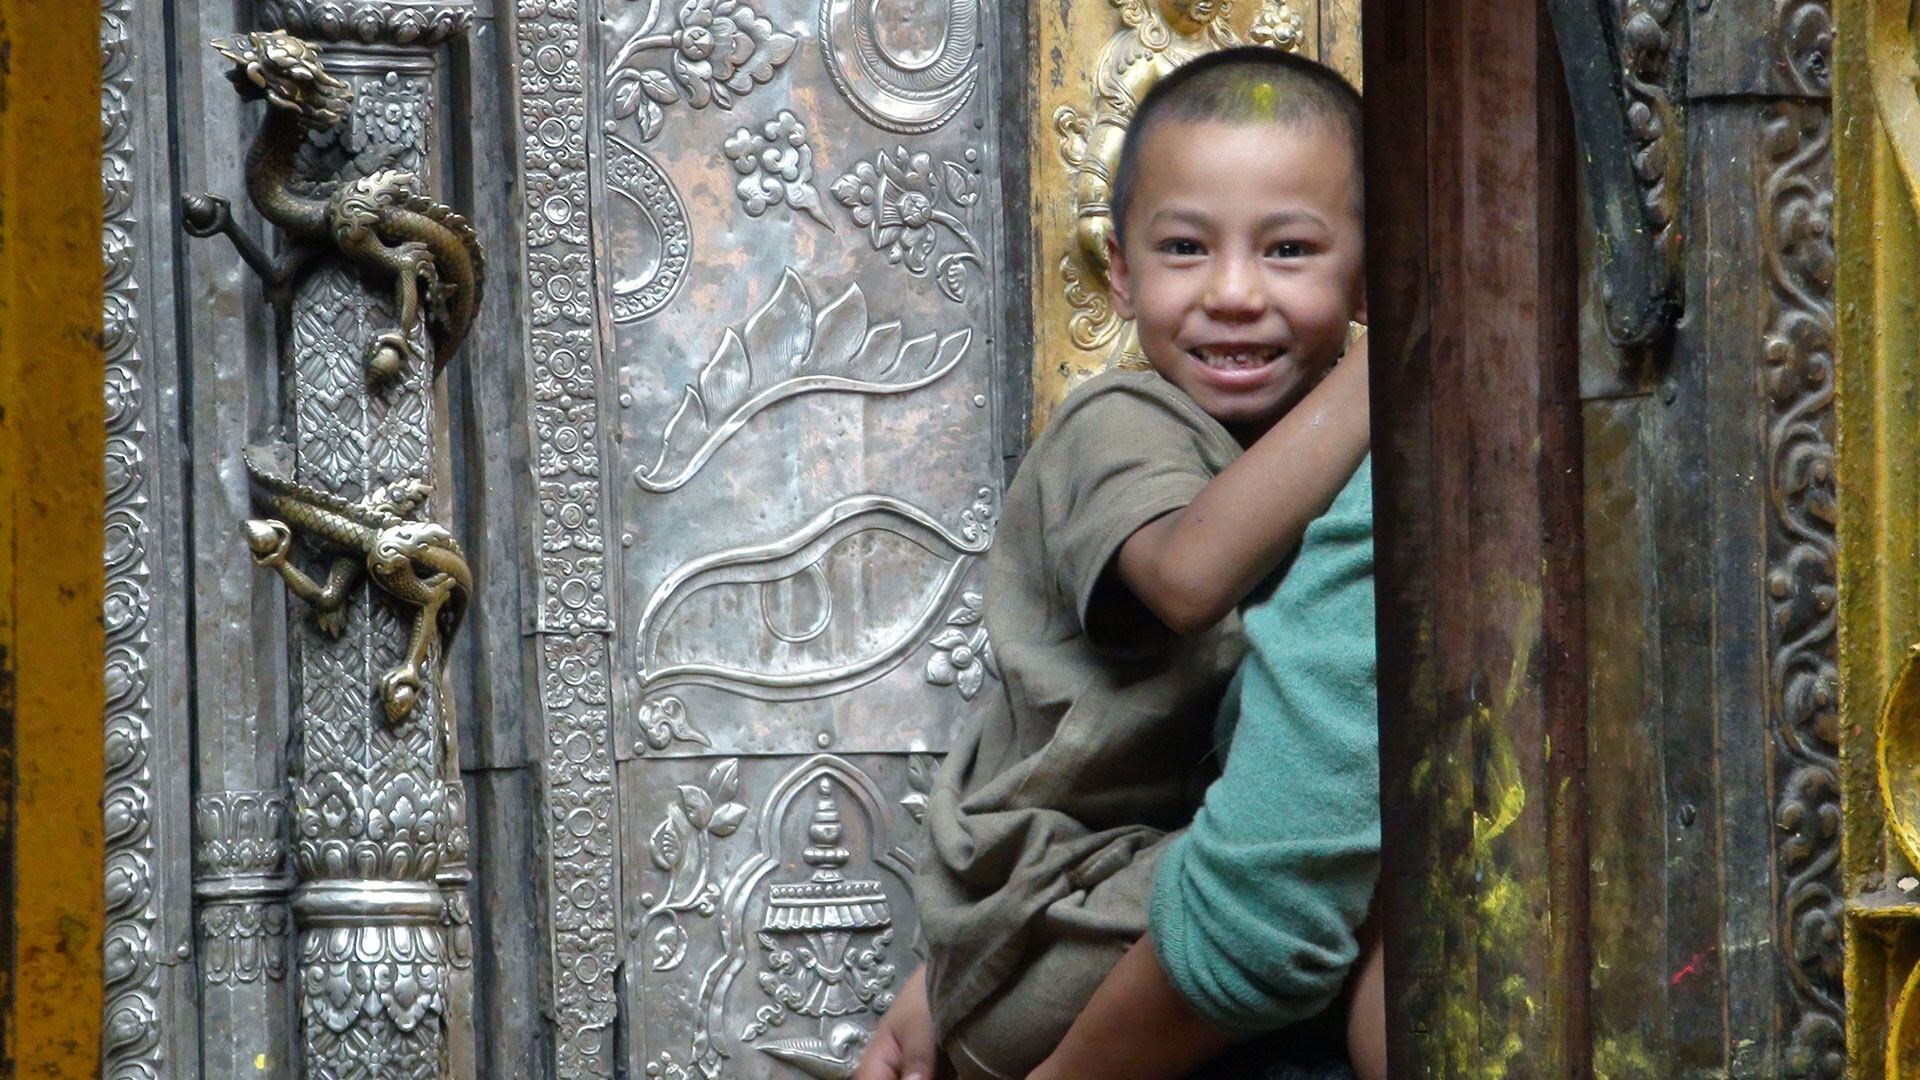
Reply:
x=1236, y=355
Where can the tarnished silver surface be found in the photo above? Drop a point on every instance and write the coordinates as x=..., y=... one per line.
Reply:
x=376, y=806
x=762, y=352
x=149, y=1027
x=730, y=413
x=378, y=809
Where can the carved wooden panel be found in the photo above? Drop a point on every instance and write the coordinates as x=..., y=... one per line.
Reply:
x=763, y=346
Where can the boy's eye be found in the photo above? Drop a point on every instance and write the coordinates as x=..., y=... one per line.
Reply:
x=1182, y=247
x=1287, y=249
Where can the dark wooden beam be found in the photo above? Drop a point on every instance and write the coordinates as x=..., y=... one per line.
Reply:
x=1472, y=278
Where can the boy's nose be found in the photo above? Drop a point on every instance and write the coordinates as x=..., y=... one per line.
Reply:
x=1233, y=289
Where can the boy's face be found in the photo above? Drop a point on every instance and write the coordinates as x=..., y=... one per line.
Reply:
x=1242, y=263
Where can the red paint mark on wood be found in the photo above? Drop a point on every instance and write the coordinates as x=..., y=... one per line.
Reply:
x=1692, y=967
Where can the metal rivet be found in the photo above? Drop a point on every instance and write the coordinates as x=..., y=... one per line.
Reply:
x=626, y=539
x=824, y=739
x=626, y=400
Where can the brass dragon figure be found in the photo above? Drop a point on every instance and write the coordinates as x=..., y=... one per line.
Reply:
x=382, y=221
x=417, y=561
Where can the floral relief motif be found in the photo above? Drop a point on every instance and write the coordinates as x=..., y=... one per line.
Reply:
x=681, y=846
x=570, y=515
x=243, y=943
x=562, y=351
x=775, y=166
x=907, y=206
x=334, y=819
x=921, y=769
x=239, y=833
x=573, y=672
x=718, y=50
x=788, y=347
x=962, y=657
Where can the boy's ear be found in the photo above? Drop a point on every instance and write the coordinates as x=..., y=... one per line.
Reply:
x=1119, y=279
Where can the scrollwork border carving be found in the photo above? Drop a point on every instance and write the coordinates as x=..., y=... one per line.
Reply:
x=132, y=1030
x=1801, y=579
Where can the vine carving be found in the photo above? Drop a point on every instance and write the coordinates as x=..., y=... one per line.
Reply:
x=1801, y=582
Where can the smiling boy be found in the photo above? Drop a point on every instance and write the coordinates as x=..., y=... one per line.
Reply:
x=1154, y=504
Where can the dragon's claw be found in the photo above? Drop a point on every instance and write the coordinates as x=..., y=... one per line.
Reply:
x=400, y=692
x=388, y=356
x=331, y=619
x=269, y=540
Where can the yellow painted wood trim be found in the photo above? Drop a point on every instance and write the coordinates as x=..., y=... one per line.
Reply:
x=1876, y=129
x=52, y=440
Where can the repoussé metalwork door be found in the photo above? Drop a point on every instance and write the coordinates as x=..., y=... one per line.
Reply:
x=702, y=427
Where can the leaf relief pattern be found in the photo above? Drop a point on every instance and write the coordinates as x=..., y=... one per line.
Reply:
x=787, y=349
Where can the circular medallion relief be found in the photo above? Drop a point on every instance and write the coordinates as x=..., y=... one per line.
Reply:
x=905, y=65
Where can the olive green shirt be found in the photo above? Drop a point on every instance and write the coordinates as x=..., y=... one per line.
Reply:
x=1097, y=742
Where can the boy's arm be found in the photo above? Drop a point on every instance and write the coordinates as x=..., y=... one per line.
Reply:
x=1135, y=1027
x=1192, y=566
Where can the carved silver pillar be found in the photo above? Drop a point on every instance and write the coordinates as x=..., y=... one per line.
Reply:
x=380, y=841
x=240, y=883
x=375, y=808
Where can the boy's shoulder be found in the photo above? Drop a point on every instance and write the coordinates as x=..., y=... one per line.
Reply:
x=1125, y=406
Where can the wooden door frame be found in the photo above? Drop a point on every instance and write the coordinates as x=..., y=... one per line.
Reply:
x=1472, y=279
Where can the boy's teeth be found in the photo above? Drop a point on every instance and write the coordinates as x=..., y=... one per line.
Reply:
x=1235, y=359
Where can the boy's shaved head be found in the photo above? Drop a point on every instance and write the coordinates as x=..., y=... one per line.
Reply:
x=1251, y=84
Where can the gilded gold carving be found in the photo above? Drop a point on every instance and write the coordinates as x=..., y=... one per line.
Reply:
x=1876, y=236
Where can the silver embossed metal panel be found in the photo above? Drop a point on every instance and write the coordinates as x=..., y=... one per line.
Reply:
x=762, y=361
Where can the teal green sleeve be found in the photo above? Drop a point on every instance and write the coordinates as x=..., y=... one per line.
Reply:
x=1255, y=906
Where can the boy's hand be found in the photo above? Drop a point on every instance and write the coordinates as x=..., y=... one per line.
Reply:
x=903, y=1046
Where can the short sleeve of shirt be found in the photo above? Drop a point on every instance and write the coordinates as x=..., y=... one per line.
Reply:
x=1131, y=452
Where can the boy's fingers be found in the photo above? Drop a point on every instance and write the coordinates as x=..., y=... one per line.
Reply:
x=880, y=1062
